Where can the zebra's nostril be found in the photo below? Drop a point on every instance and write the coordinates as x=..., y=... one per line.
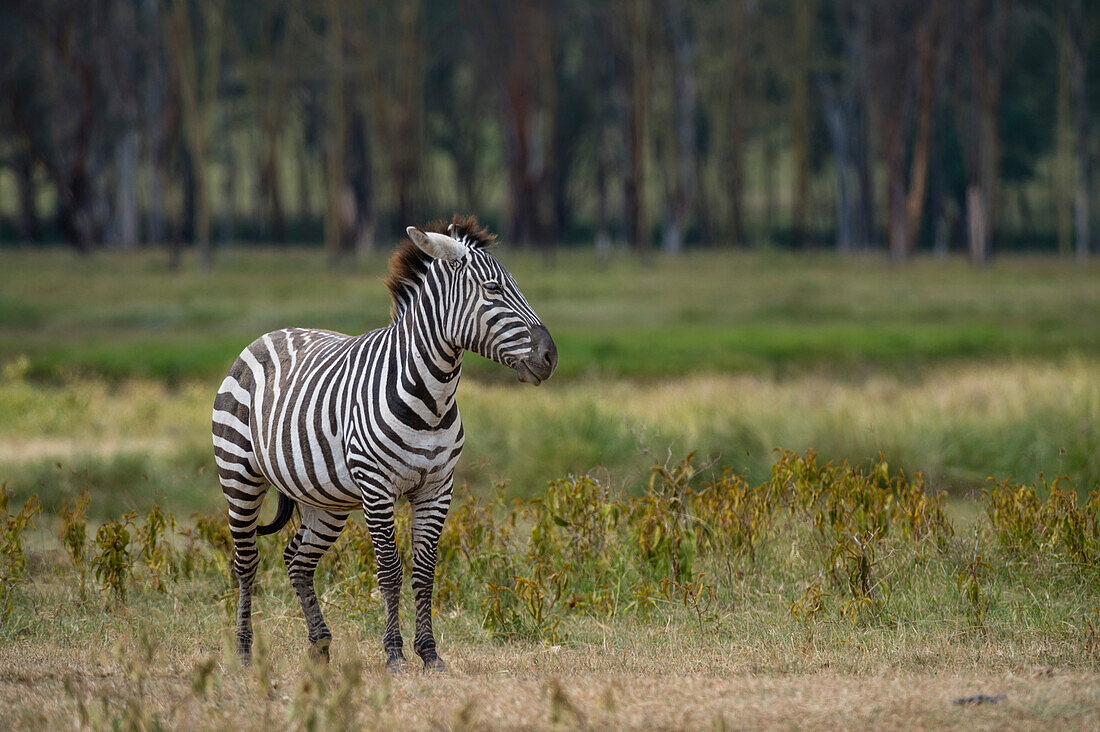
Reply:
x=544, y=354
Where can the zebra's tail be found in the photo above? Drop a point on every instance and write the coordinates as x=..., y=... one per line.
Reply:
x=282, y=515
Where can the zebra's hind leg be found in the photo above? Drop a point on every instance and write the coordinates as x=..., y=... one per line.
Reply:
x=245, y=494
x=428, y=514
x=319, y=530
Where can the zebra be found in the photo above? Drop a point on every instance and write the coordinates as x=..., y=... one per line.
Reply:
x=336, y=423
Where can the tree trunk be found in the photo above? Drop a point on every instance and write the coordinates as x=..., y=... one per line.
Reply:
x=272, y=189
x=303, y=160
x=29, y=225
x=1064, y=133
x=335, y=133
x=735, y=138
x=838, y=122
x=859, y=53
x=899, y=224
x=1079, y=92
x=771, y=191
x=977, y=214
x=227, y=214
x=928, y=42
x=152, y=101
x=800, y=116
x=941, y=209
x=202, y=205
x=906, y=77
x=845, y=100
x=198, y=98
x=634, y=185
x=189, y=215
x=360, y=178
x=683, y=61
x=603, y=233
x=124, y=227
x=986, y=39
x=519, y=44
x=407, y=156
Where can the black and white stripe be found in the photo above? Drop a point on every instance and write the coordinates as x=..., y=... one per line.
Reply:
x=337, y=422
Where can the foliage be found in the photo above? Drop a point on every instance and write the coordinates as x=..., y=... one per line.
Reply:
x=156, y=551
x=114, y=557
x=850, y=542
x=13, y=558
x=977, y=602
x=212, y=532
x=663, y=530
x=74, y=534
x=1024, y=522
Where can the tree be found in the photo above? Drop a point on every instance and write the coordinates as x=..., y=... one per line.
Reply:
x=682, y=198
x=632, y=47
x=845, y=95
x=265, y=36
x=1078, y=49
x=984, y=48
x=800, y=70
x=335, y=132
x=197, y=69
x=905, y=77
x=516, y=40
x=54, y=95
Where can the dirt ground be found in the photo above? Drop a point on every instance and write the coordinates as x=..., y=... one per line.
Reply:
x=47, y=687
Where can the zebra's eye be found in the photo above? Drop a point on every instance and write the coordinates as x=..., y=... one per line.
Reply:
x=492, y=287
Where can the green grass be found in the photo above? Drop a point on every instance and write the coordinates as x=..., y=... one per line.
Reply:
x=960, y=372
x=125, y=315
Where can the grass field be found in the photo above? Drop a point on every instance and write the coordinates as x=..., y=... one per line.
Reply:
x=125, y=315
x=109, y=365
x=555, y=612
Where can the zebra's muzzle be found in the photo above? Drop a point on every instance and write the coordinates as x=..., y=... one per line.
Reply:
x=539, y=363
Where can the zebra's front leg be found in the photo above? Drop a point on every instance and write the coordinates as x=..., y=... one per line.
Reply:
x=378, y=511
x=319, y=530
x=428, y=514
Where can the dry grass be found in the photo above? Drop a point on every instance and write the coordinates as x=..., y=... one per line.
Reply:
x=596, y=686
x=957, y=423
x=72, y=663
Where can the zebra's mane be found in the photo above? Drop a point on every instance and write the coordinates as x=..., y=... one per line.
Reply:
x=409, y=265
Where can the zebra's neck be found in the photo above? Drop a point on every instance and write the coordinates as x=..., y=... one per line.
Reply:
x=428, y=365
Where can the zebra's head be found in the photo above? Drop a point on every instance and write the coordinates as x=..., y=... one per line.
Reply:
x=480, y=307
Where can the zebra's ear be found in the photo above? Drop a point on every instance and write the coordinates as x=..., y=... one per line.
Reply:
x=437, y=246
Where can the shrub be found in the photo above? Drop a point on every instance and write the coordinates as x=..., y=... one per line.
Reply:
x=13, y=558
x=1024, y=524
x=74, y=535
x=114, y=559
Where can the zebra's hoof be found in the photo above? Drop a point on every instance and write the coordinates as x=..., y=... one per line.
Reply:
x=318, y=652
x=397, y=665
x=434, y=664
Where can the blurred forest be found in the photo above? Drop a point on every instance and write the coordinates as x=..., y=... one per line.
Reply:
x=897, y=125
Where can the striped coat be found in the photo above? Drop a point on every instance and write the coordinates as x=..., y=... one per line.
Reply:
x=336, y=423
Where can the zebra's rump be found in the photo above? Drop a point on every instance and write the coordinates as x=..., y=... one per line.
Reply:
x=281, y=402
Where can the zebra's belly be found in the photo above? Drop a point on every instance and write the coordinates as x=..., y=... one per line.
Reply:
x=314, y=474
x=311, y=491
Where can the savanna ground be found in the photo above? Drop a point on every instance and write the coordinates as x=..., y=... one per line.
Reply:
x=843, y=596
